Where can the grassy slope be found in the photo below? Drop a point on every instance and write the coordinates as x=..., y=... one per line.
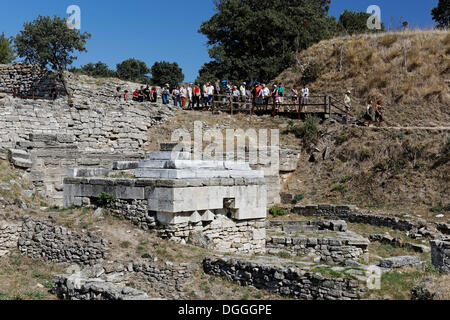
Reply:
x=377, y=169
x=373, y=67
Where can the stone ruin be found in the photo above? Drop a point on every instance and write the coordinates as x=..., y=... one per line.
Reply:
x=214, y=204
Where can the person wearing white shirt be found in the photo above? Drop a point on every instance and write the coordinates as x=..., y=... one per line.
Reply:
x=265, y=93
x=183, y=94
x=210, y=93
x=189, y=90
x=305, y=97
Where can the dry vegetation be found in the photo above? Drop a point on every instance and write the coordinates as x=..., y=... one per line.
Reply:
x=401, y=171
x=373, y=66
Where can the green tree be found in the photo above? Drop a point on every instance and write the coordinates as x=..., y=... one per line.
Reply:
x=133, y=70
x=165, y=72
x=6, y=50
x=256, y=39
x=98, y=69
x=50, y=43
x=441, y=14
x=356, y=22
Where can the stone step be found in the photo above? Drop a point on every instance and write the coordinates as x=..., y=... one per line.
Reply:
x=22, y=163
x=193, y=174
x=168, y=155
x=194, y=164
x=18, y=154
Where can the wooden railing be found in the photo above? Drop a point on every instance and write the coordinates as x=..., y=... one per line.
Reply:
x=319, y=104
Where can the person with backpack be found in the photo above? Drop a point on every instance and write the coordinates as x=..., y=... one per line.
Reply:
x=276, y=97
x=368, y=115
x=379, y=112
x=281, y=93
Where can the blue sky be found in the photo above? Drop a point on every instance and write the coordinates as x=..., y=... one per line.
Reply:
x=167, y=30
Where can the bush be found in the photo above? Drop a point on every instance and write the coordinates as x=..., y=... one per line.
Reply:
x=299, y=197
x=308, y=132
x=311, y=73
x=276, y=211
x=105, y=199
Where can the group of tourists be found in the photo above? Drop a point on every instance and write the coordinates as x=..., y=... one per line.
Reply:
x=138, y=95
x=190, y=96
x=196, y=96
x=369, y=114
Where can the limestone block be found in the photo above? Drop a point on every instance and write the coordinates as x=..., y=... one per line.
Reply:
x=195, y=217
x=168, y=155
x=166, y=218
x=208, y=216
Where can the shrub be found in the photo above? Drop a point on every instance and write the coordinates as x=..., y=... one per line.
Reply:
x=105, y=199
x=276, y=211
x=311, y=73
x=308, y=132
x=299, y=198
x=125, y=244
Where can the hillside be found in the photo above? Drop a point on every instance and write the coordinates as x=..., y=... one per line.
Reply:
x=373, y=66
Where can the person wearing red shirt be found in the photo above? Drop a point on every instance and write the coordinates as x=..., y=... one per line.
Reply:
x=196, y=96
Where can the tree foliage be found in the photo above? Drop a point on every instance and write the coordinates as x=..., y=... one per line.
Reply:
x=133, y=70
x=356, y=22
x=6, y=50
x=165, y=72
x=98, y=69
x=441, y=14
x=50, y=43
x=256, y=39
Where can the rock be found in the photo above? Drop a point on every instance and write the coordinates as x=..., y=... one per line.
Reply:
x=423, y=290
x=399, y=262
x=98, y=213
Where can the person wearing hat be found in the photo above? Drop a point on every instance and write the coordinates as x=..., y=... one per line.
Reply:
x=348, y=100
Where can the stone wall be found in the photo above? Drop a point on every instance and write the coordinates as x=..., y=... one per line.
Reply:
x=215, y=228
x=27, y=79
x=43, y=239
x=329, y=249
x=9, y=235
x=108, y=282
x=440, y=254
x=56, y=137
x=284, y=281
x=416, y=228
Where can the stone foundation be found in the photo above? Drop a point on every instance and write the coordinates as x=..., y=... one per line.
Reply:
x=43, y=239
x=416, y=228
x=325, y=241
x=283, y=280
x=108, y=282
x=330, y=250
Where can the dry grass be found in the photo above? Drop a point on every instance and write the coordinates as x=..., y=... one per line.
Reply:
x=373, y=67
x=22, y=278
x=380, y=170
